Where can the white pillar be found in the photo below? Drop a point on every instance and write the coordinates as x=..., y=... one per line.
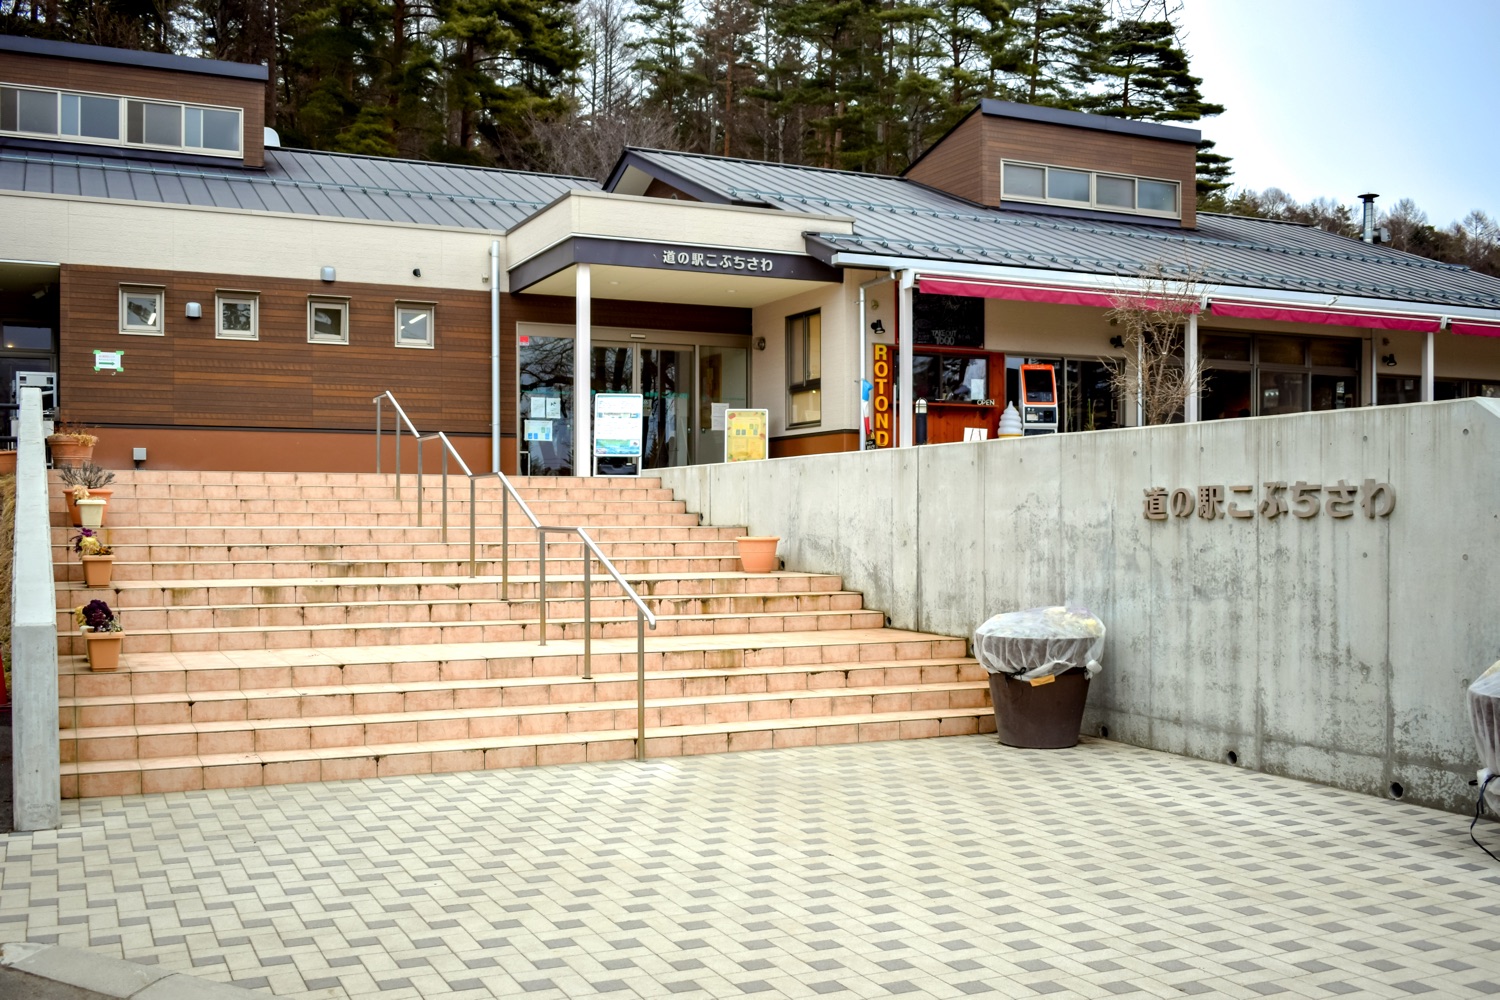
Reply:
x=1190, y=409
x=583, y=406
x=1427, y=366
x=905, y=414
x=495, y=356
x=1372, y=388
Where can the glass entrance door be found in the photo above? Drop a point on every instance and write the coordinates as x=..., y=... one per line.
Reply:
x=662, y=376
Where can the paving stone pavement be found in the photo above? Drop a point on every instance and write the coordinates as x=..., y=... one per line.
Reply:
x=937, y=868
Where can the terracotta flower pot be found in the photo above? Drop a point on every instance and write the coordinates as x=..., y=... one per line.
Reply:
x=67, y=450
x=104, y=649
x=74, y=518
x=97, y=570
x=7, y=463
x=758, y=552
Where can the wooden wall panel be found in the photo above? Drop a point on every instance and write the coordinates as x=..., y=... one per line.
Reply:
x=139, y=81
x=957, y=164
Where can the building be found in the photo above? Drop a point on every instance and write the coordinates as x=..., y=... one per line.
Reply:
x=223, y=302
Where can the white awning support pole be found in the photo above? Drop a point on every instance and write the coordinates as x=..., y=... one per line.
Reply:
x=1190, y=407
x=1372, y=360
x=905, y=413
x=494, y=355
x=583, y=404
x=864, y=350
x=1428, y=362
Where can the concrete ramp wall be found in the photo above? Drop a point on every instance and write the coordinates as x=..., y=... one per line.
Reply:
x=1336, y=649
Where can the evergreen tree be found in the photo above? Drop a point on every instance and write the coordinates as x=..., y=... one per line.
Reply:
x=1053, y=50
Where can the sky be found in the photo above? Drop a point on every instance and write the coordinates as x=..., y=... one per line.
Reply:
x=1333, y=98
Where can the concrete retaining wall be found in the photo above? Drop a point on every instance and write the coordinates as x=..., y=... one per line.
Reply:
x=1333, y=649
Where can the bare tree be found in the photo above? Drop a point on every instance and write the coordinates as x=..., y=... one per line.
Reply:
x=1152, y=315
x=589, y=147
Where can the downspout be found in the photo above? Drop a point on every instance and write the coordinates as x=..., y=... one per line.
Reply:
x=494, y=355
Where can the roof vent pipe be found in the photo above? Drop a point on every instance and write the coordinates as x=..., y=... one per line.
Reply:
x=1368, y=232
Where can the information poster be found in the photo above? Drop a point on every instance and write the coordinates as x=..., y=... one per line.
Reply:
x=747, y=435
x=617, y=425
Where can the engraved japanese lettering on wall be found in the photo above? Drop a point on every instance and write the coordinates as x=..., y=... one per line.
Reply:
x=1301, y=500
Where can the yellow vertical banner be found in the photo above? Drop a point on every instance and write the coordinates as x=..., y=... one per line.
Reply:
x=747, y=435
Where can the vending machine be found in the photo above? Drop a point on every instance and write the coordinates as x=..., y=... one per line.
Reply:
x=1039, y=399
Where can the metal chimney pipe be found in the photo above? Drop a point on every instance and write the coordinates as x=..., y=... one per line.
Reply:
x=1368, y=235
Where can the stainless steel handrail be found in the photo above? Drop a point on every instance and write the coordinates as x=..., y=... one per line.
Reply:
x=643, y=614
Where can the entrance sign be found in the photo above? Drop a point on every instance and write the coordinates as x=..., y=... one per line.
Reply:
x=617, y=427
x=881, y=426
x=1300, y=499
x=747, y=435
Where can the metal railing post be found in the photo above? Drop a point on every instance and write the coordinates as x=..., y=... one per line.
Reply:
x=419, y=481
x=445, y=491
x=588, y=604
x=541, y=587
x=398, y=460
x=473, y=563
x=504, y=546
x=640, y=684
x=379, y=421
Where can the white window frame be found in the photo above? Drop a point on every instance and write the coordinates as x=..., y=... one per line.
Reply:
x=1093, y=203
x=224, y=295
x=341, y=303
x=122, y=102
x=159, y=292
x=430, y=308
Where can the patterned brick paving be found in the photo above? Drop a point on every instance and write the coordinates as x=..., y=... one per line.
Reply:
x=937, y=868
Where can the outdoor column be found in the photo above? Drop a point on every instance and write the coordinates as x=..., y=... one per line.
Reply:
x=583, y=407
x=1190, y=361
x=1373, y=360
x=905, y=414
x=1427, y=364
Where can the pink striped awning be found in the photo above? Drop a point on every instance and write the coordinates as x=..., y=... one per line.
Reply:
x=1018, y=293
x=1474, y=329
x=1331, y=317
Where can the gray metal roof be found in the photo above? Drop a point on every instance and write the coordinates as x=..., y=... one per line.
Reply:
x=130, y=57
x=300, y=182
x=894, y=217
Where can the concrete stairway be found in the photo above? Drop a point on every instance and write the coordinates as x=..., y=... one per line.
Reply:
x=299, y=627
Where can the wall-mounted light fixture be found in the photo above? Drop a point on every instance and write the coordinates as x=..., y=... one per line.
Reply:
x=1117, y=342
x=1389, y=360
x=877, y=328
x=416, y=272
x=329, y=274
x=193, y=311
x=760, y=343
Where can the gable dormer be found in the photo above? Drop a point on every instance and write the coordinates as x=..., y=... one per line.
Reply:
x=1041, y=159
x=94, y=99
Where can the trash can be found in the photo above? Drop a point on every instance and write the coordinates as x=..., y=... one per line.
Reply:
x=1040, y=662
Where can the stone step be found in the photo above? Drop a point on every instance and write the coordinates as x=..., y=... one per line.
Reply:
x=271, y=592
x=383, y=490
x=360, y=515
x=129, y=478
x=340, y=569
x=237, y=535
x=219, y=724
x=268, y=767
x=407, y=633
x=561, y=547
x=363, y=614
x=144, y=673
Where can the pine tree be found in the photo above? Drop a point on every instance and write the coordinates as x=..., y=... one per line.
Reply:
x=1053, y=51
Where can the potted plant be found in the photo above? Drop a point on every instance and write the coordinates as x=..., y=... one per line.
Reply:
x=8, y=462
x=758, y=552
x=102, y=632
x=97, y=558
x=71, y=445
x=85, y=482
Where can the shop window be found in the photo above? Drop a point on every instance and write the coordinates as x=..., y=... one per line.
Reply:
x=950, y=378
x=1391, y=389
x=1087, y=401
x=804, y=353
x=238, y=316
x=327, y=321
x=1263, y=374
x=415, y=325
x=141, y=310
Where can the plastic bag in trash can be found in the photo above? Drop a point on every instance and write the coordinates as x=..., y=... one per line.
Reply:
x=1040, y=642
x=1484, y=713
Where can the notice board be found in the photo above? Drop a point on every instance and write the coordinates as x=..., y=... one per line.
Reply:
x=747, y=435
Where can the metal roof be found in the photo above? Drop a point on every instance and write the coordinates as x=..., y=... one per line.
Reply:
x=300, y=182
x=895, y=217
x=131, y=57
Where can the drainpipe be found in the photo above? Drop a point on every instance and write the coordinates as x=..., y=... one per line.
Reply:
x=583, y=406
x=906, y=414
x=864, y=375
x=494, y=355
